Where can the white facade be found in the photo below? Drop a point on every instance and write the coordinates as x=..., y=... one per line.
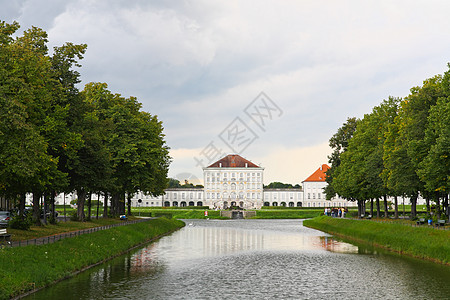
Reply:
x=233, y=186
x=283, y=197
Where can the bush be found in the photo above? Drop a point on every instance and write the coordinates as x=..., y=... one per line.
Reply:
x=74, y=216
x=163, y=215
x=21, y=222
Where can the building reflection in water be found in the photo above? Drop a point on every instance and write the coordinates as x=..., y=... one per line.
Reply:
x=329, y=243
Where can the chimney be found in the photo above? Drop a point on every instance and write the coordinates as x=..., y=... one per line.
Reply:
x=220, y=165
x=321, y=168
x=246, y=165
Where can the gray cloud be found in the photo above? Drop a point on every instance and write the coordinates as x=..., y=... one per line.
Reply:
x=197, y=64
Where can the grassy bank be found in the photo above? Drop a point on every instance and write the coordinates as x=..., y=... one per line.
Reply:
x=286, y=213
x=60, y=227
x=26, y=268
x=422, y=242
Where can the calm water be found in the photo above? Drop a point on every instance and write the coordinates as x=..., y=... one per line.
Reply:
x=255, y=259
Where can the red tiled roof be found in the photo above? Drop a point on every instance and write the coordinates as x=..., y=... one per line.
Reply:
x=233, y=161
x=319, y=174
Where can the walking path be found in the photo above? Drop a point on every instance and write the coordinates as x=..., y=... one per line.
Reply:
x=58, y=237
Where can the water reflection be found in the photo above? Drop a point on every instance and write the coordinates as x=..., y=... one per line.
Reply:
x=255, y=259
x=332, y=244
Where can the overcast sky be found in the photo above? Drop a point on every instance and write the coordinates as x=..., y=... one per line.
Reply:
x=201, y=66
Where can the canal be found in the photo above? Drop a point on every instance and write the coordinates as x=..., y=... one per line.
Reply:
x=255, y=259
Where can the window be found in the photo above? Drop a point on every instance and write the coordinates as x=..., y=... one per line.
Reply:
x=314, y=195
x=318, y=195
x=309, y=196
x=233, y=186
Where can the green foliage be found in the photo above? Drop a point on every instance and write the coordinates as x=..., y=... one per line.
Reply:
x=280, y=185
x=25, y=268
x=54, y=138
x=400, y=149
x=21, y=222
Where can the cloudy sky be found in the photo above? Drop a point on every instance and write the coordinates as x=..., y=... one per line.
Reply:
x=201, y=66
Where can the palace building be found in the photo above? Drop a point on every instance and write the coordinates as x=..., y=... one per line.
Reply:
x=236, y=181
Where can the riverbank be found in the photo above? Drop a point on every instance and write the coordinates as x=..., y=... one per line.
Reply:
x=193, y=213
x=421, y=242
x=29, y=268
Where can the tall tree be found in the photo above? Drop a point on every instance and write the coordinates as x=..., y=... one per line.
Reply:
x=339, y=143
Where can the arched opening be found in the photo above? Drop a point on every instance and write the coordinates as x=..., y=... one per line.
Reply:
x=266, y=204
x=166, y=203
x=225, y=204
x=274, y=204
x=283, y=204
x=191, y=203
x=299, y=204
x=199, y=203
x=183, y=204
x=291, y=204
x=175, y=203
x=241, y=204
x=233, y=203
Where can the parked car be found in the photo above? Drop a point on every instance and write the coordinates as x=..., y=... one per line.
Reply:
x=5, y=216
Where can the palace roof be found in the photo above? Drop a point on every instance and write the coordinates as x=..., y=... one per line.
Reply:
x=319, y=175
x=233, y=161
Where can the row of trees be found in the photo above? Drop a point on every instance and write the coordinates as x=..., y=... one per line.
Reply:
x=55, y=138
x=281, y=185
x=400, y=149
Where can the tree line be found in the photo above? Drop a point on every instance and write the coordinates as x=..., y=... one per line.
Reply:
x=55, y=138
x=400, y=149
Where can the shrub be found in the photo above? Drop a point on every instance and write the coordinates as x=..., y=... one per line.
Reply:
x=21, y=222
x=74, y=216
x=163, y=215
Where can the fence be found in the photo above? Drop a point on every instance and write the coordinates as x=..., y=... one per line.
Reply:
x=58, y=237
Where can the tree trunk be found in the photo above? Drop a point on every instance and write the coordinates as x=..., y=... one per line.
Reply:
x=395, y=207
x=385, y=206
x=45, y=207
x=414, y=206
x=98, y=204
x=371, y=207
x=81, y=193
x=360, y=210
x=115, y=204
x=36, y=213
x=89, y=206
x=378, y=207
x=53, y=208
x=445, y=205
x=22, y=200
x=427, y=201
x=129, y=204
x=105, y=205
x=438, y=206
x=122, y=204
